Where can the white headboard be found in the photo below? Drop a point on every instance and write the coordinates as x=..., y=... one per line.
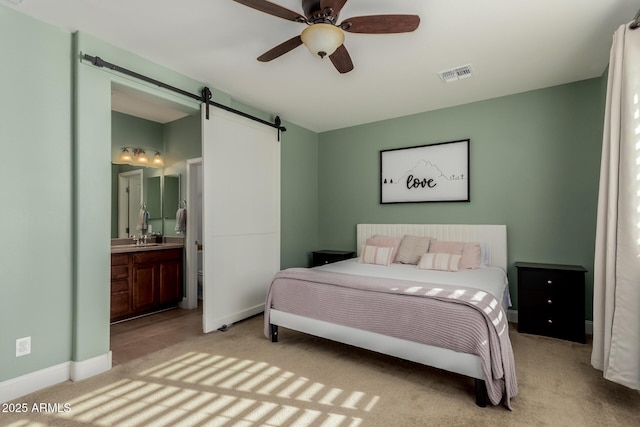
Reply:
x=495, y=236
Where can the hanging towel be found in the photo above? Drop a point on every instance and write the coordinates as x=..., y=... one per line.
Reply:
x=181, y=221
x=143, y=220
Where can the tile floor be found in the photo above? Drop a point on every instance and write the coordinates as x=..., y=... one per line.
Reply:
x=138, y=337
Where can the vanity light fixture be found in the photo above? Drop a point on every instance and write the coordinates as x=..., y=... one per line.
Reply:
x=125, y=156
x=157, y=160
x=140, y=156
x=136, y=156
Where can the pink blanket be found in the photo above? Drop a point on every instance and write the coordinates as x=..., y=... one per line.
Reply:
x=460, y=319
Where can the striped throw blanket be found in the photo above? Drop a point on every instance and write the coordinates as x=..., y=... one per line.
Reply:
x=457, y=318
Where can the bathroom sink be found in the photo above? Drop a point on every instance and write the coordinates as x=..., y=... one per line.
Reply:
x=133, y=245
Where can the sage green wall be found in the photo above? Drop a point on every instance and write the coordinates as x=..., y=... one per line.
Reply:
x=182, y=139
x=129, y=131
x=299, y=196
x=36, y=276
x=534, y=165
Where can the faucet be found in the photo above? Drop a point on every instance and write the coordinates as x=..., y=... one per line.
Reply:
x=140, y=240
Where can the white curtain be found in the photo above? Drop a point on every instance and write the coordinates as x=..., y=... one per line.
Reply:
x=616, y=300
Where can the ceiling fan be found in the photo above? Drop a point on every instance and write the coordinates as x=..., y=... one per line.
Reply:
x=323, y=36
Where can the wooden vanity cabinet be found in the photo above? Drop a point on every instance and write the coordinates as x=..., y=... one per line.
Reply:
x=121, y=296
x=153, y=282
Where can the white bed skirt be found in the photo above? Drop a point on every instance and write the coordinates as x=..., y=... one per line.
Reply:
x=442, y=358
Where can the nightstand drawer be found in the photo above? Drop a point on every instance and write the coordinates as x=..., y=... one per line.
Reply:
x=546, y=279
x=551, y=300
x=328, y=256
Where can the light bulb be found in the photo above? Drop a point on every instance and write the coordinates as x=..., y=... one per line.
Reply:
x=125, y=156
x=142, y=157
x=157, y=160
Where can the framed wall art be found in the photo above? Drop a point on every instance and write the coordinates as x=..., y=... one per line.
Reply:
x=426, y=173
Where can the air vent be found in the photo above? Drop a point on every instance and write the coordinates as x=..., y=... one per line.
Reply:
x=458, y=73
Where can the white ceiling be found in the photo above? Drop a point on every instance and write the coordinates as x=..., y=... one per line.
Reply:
x=512, y=45
x=135, y=103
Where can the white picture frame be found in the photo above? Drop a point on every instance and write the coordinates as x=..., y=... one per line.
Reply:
x=426, y=173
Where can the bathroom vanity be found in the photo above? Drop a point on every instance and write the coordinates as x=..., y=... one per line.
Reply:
x=145, y=278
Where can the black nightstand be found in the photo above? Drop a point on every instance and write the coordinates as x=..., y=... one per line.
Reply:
x=551, y=300
x=328, y=256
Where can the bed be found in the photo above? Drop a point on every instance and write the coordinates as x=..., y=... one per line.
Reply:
x=430, y=311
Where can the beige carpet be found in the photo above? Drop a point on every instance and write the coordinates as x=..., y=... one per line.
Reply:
x=239, y=378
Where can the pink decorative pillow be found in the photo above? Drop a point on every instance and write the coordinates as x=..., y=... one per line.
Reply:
x=386, y=242
x=471, y=256
x=446, y=247
x=439, y=261
x=376, y=255
x=470, y=252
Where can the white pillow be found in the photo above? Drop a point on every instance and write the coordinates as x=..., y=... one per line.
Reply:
x=376, y=255
x=439, y=261
x=484, y=250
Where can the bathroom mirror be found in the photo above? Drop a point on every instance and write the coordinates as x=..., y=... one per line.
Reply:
x=127, y=197
x=170, y=202
x=154, y=198
x=171, y=195
x=160, y=193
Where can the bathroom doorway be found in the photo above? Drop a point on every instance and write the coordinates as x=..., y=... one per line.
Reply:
x=143, y=117
x=194, y=249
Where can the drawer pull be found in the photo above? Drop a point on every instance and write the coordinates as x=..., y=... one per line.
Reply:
x=550, y=321
x=549, y=282
x=549, y=302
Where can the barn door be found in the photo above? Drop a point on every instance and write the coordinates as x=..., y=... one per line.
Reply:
x=241, y=216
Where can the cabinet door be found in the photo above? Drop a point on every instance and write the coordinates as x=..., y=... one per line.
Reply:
x=145, y=277
x=120, y=299
x=170, y=281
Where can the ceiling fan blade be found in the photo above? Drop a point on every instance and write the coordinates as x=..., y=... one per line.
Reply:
x=381, y=24
x=273, y=9
x=336, y=5
x=341, y=60
x=281, y=49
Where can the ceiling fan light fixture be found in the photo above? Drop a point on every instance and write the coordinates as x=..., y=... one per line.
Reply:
x=322, y=39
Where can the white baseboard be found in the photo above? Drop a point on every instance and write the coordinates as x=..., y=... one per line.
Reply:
x=88, y=368
x=512, y=316
x=34, y=381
